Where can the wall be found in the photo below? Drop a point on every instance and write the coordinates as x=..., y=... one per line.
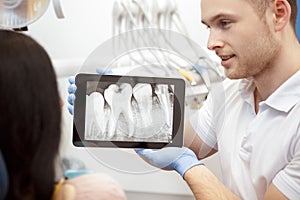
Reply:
x=69, y=41
x=87, y=25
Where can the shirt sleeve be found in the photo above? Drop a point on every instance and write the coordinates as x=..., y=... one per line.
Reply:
x=201, y=122
x=208, y=121
x=288, y=179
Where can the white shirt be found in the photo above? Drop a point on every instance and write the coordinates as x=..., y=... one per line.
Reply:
x=254, y=149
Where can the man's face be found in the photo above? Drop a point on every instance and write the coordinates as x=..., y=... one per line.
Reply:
x=241, y=38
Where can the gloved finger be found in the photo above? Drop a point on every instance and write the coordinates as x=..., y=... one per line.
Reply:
x=72, y=88
x=154, y=158
x=103, y=71
x=145, y=155
x=137, y=149
x=143, y=151
x=71, y=99
x=71, y=79
x=71, y=109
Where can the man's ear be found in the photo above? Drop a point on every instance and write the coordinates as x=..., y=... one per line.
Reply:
x=282, y=14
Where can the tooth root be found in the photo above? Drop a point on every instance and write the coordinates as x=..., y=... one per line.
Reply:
x=119, y=100
x=95, y=110
x=126, y=95
x=162, y=93
x=112, y=123
x=143, y=95
x=108, y=95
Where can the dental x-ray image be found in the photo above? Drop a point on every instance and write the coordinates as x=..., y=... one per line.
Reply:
x=128, y=111
x=125, y=112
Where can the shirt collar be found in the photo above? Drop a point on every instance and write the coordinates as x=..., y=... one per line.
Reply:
x=283, y=99
x=287, y=95
x=246, y=89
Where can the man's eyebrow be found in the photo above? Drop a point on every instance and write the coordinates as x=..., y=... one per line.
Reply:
x=214, y=18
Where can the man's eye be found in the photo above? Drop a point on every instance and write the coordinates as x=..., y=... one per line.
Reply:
x=225, y=23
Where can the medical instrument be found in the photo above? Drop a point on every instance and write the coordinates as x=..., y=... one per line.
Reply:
x=162, y=15
x=186, y=75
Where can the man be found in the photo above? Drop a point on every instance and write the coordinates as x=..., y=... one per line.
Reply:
x=257, y=130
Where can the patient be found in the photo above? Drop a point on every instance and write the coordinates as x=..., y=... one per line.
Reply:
x=30, y=118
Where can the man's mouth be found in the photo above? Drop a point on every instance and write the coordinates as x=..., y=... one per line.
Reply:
x=226, y=57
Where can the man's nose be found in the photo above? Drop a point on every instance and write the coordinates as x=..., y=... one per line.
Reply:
x=214, y=41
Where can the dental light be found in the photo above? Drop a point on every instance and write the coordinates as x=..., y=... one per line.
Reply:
x=18, y=14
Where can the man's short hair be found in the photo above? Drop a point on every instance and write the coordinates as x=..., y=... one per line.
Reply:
x=262, y=5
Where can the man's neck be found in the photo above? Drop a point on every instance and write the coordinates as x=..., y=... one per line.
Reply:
x=270, y=79
x=257, y=100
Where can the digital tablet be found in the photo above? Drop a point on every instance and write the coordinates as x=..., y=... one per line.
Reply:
x=128, y=111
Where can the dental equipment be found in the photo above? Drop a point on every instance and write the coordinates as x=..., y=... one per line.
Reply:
x=18, y=14
x=130, y=15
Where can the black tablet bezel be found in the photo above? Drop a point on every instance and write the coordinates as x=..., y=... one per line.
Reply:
x=80, y=106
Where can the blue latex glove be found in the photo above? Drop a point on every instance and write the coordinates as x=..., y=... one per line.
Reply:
x=178, y=159
x=71, y=98
x=72, y=88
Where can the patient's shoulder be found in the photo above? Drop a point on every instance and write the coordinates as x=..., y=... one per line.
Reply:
x=92, y=186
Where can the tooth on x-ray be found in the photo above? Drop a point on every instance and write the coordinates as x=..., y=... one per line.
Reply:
x=143, y=95
x=98, y=126
x=162, y=93
x=119, y=100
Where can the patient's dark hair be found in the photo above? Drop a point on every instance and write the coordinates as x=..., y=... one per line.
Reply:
x=29, y=116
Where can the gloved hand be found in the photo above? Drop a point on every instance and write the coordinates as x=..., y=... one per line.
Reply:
x=178, y=159
x=71, y=98
x=72, y=88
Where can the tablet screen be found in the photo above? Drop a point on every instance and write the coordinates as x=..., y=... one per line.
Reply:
x=128, y=111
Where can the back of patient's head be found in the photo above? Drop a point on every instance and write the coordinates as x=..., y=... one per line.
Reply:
x=29, y=116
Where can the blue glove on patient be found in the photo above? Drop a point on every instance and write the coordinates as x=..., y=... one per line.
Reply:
x=179, y=159
x=72, y=88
